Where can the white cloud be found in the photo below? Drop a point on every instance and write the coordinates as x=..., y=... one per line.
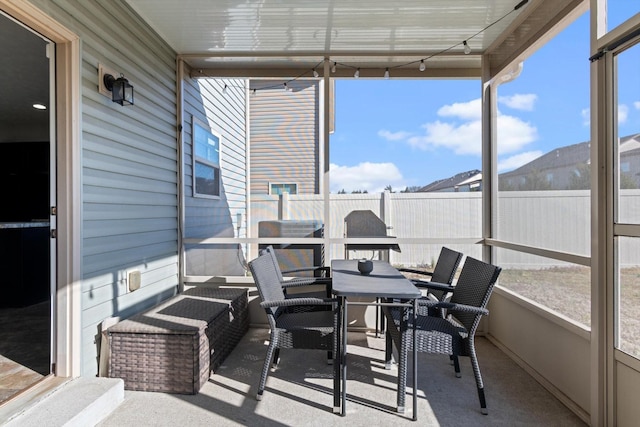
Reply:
x=461, y=139
x=637, y=105
x=514, y=134
x=518, y=160
x=465, y=137
x=373, y=177
x=586, y=116
x=519, y=101
x=623, y=113
x=471, y=110
x=393, y=136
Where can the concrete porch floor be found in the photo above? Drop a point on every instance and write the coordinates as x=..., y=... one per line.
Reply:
x=299, y=392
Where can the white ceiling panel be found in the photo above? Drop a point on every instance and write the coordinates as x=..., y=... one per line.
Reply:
x=227, y=35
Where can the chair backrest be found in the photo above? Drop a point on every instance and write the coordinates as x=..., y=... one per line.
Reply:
x=446, y=266
x=267, y=281
x=269, y=250
x=474, y=288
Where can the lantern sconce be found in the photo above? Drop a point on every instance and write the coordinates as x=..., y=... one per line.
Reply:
x=118, y=89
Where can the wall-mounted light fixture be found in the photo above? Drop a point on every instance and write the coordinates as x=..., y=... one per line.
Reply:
x=117, y=89
x=121, y=89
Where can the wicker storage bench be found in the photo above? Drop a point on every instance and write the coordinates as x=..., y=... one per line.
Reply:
x=174, y=346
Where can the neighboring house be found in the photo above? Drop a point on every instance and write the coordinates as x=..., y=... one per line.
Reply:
x=285, y=134
x=629, y=152
x=563, y=168
x=461, y=182
x=558, y=169
x=566, y=168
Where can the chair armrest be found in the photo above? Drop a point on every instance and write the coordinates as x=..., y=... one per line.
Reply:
x=306, y=281
x=326, y=269
x=436, y=286
x=413, y=271
x=298, y=301
x=451, y=306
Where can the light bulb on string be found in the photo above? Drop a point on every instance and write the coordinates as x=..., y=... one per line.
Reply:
x=333, y=67
x=357, y=73
x=386, y=73
x=467, y=48
x=224, y=89
x=315, y=73
x=423, y=66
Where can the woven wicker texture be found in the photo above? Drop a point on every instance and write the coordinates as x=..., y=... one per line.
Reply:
x=291, y=329
x=443, y=272
x=174, y=346
x=453, y=335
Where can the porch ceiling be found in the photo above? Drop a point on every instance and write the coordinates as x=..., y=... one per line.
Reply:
x=282, y=37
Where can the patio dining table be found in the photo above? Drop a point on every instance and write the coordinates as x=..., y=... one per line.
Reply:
x=384, y=283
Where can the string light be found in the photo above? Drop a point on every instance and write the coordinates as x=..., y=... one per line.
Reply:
x=315, y=73
x=357, y=73
x=224, y=90
x=386, y=74
x=467, y=48
x=333, y=67
x=423, y=66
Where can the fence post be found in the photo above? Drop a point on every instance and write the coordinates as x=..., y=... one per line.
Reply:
x=385, y=214
x=283, y=206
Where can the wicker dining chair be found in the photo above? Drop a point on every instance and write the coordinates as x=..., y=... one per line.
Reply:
x=439, y=286
x=314, y=330
x=453, y=335
x=288, y=283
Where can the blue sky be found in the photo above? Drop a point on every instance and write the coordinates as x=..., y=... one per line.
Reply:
x=413, y=132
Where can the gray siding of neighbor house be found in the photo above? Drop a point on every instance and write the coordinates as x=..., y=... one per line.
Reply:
x=224, y=113
x=129, y=166
x=284, y=135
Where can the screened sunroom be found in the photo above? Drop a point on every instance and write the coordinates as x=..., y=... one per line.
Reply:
x=245, y=133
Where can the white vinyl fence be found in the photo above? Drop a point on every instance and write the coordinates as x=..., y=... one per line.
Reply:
x=555, y=220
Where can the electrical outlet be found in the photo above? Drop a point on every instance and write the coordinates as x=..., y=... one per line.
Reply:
x=134, y=279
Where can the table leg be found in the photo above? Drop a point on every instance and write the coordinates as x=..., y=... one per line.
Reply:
x=377, y=315
x=337, y=363
x=403, y=358
x=415, y=361
x=343, y=355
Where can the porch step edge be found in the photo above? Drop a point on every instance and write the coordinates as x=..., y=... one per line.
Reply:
x=80, y=402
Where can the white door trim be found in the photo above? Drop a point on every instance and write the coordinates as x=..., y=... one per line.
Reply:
x=67, y=330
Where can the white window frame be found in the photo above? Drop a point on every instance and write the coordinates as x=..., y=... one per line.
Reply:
x=271, y=184
x=195, y=123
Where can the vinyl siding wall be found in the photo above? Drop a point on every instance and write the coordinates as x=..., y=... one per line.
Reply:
x=129, y=166
x=284, y=135
x=224, y=113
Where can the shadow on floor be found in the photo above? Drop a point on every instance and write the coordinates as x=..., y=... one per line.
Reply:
x=299, y=392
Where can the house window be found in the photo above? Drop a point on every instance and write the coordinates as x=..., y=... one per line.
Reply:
x=624, y=167
x=277, y=189
x=206, y=161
